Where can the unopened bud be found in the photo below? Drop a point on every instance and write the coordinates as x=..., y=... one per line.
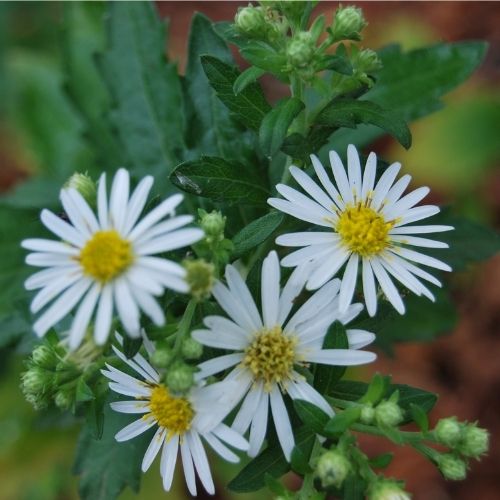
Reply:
x=388, y=413
x=191, y=349
x=475, y=441
x=332, y=468
x=448, y=431
x=38, y=401
x=200, y=276
x=84, y=184
x=386, y=489
x=452, y=467
x=34, y=381
x=180, y=377
x=301, y=50
x=213, y=224
x=63, y=399
x=250, y=21
x=367, y=414
x=348, y=23
x=162, y=357
x=44, y=357
x=367, y=61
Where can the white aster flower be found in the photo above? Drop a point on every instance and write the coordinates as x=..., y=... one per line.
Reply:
x=368, y=226
x=269, y=347
x=181, y=421
x=106, y=261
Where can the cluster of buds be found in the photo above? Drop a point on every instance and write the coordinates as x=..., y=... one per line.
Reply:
x=386, y=413
x=261, y=23
x=387, y=489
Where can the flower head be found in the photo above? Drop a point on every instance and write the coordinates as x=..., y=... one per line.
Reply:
x=181, y=420
x=368, y=225
x=269, y=346
x=106, y=260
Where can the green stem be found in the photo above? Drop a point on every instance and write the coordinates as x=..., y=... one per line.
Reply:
x=342, y=403
x=307, y=489
x=184, y=325
x=406, y=436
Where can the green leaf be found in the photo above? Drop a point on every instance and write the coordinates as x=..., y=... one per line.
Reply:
x=354, y=488
x=248, y=76
x=131, y=346
x=336, y=63
x=299, y=147
x=376, y=389
x=219, y=180
x=299, y=462
x=311, y=416
x=83, y=391
x=352, y=112
x=338, y=424
x=325, y=377
x=274, y=126
x=264, y=56
x=145, y=89
x=381, y=461
x=412, y=83
x=249, y=105
x=419, y=417
x=106, y=466
x=274, y=485
x=270, y=461
x=392, y=434
x=256, y=232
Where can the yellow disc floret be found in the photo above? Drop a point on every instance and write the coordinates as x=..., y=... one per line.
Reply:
x=106, y=255
x=270, y=357
x=363, y=230
x=173, y=413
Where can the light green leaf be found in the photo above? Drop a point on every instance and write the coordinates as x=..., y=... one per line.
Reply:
x=419, y=417
x=338, y=424
x=248, y=76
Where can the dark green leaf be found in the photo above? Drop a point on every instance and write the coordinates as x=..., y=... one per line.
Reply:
x=131, y=346
x=248, y=76
x=263, y=56
x=336, y=63
x=354, y=488
x=381, y=461
x=274, y=485
x=256, y=232
x=106, y=466
x=311, y=416
x=270, y=461
x=145, y=89
x=274, y=126
x=299, y=461
x=351, y=112
x=219, y=180
x=342, y=421
x=83, y=391
x=325, y=376
x=299, y=147
x=419, y=417
x=249, y=105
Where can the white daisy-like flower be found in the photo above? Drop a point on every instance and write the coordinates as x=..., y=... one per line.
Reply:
x=181, y=421
x=369, y=226
x=270, y=346
x=107, y=261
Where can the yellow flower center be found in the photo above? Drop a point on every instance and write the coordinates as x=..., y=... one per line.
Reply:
x=173, y=413
x=270, y=357
x=106, y=255
x=363, y=230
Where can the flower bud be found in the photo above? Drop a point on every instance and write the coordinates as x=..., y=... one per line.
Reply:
x=38, y=401
x=388, y=413
x=250, y=21
x=367, y=414
x=348, y=23
x=180, y=377
x=162, y=357
x=448, y=431
x=367, y=61
x=34, y=381
x=332, y=468
x=475, y=441
x=200, y=276
x=213, y=224
x=191, y=349
x=301, y=50
x=452, y=467
x=63, y=399
x=44, y=357
x=84, y=184
x=384, y=489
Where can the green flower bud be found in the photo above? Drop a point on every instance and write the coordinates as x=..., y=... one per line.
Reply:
x=180, y=377
x=388, y=413
x=63, y=399
x=250, y=21
x=34, y=381
x=367, y=61
x=384, y=489
x=44, y=357
x=191, y=349
x=84, y=184
x=301, y=49
x=38, y=401
x=452, y=467
x=200, y=277
x=348, y=23
x=448, y=431
x=162, y=357
x=367, y=414
x=332, y=468
x=213, y=224
x=475, y=441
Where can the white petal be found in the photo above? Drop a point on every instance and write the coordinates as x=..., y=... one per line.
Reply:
x=312, y=189
x=248, y=410
x=82, y=216
x=118, y=199
x=134, y=429
x=221, y=324
x=307, y=238
x=300, y=389
x=149, y=305
x=137, y=202
x=383, y=185
x=46, y=276
x=62, y=229
x=331, y=264
x=416, y=214
x=125, y=389
x=145, y=279
x=47, y=259
x=270, y=289
x=125, y=379
x=219, y=340
x=312, y=252
x=49, y=246
x=258, y=427
x=417, y=271
x=369, y=289
x=103, y=316
x=146, y=374
x=303, y=201
x=163, y=265
x=172, y=241
x=369, y=176
x=187, y=464
x=354, y=171
x=359, y=338
x=348, y=283
x=420, y=229
x=221, y=449
x=126, y=307
x=325, y=181
x=82, y=316
x=421, y=258
x=419, y=242
x=290, y=292
x=299, y=212
x=397, y=190
x=130, y=406
x=216, y=365
x=406, y=202
x=341, y=357
x=162, y=229
x=200, y=461
x=282, y=422
x=168, y=460
x=390, y=291
x=231, y=437
x=341, y=177
x=102, y=203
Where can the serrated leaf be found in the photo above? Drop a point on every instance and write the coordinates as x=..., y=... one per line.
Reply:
x=419, y=417
x=248, y=76
x=338, y=424
x=352, y=112
x=311, y=416
x=219, y=180
x=249, y=105
x=274, y=126
x=325, y=376
x=256, y=232
x=145, y=89
x=106, y=466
